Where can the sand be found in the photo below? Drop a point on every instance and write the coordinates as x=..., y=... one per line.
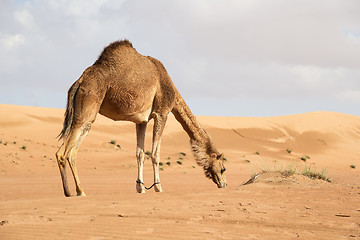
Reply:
x=32, y=204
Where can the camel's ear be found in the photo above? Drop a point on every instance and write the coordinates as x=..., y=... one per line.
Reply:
x=213, y=155
x=220, y=156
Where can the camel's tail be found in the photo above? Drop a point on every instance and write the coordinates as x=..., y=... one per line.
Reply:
x=69, y=114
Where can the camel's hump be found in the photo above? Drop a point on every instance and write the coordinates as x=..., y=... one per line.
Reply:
x=109, y=50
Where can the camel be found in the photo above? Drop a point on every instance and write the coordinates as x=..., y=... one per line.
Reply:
x=124, y=85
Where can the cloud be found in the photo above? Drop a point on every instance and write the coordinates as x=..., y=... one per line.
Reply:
x=24, y=17
x=349, y=95
x=260, y=52
x=11, y=41
x=352, y=36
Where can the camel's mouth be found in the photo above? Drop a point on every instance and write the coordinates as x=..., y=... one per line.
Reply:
x=222, y=184
x=220, y=181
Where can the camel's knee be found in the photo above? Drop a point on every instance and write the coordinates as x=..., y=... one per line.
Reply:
x=64, y=155
x=60, y=156
x=155, y=158
x=140, y=154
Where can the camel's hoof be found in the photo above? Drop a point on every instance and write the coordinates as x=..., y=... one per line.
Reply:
x=140, y=189
x=67, y=194
x=81, y=194
x=158, y=188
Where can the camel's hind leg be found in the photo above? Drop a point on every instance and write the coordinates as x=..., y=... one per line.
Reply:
x=78, y=136
x=68, y=152
x=85, y=108
x=62, y=166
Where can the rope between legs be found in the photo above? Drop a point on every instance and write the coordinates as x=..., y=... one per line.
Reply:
x=147, y=188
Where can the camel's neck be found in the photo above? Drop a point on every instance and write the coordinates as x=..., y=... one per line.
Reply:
x=198, y=136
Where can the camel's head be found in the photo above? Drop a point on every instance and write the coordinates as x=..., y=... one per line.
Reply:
x=216, y=170
x=211, y=161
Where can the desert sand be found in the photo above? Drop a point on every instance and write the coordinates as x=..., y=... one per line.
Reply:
x=32, y=204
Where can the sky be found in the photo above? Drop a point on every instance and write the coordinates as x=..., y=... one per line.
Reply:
x=227, y=58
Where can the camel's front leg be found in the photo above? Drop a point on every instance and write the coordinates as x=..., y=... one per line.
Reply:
x=159, y=124
x=140, y=155
x=155, y=157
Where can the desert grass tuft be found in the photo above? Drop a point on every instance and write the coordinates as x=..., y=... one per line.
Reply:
x=290, y=170
x=313, y=174
x=305, y=157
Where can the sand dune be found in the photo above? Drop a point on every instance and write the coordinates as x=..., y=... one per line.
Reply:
x=32, y=205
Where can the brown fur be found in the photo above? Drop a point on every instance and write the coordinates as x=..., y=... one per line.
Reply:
x=124, y=85
x=108, y=52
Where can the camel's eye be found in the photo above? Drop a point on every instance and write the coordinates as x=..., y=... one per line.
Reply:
x=223, y=170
